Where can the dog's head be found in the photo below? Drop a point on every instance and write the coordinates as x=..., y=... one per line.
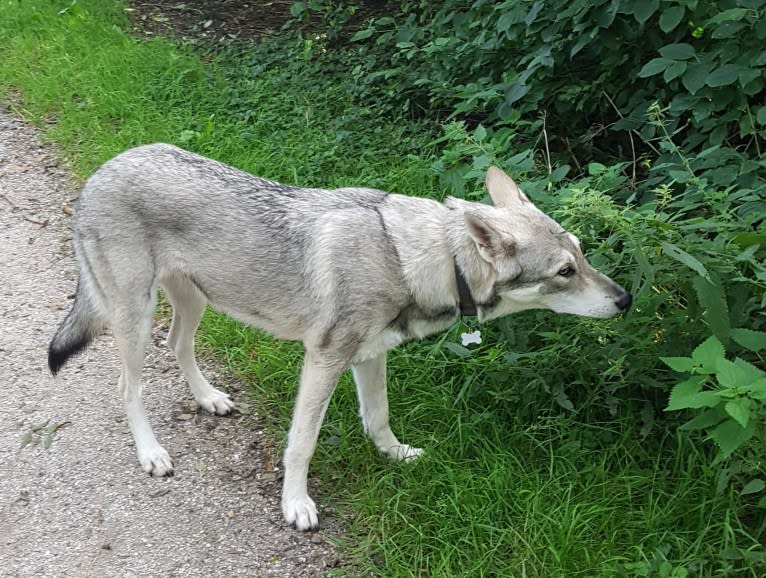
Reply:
x=530, y=262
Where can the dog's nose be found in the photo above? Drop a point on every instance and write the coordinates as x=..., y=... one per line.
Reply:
x=624, y=301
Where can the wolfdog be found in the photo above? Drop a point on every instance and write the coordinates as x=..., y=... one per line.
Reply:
x=350, y=272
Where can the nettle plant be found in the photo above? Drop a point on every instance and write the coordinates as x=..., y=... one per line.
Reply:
x=729, y=395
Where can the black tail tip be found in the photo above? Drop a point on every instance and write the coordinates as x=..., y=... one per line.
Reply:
x=56, y=359
x=58, y=356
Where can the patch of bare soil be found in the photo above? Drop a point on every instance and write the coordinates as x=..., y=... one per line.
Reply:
x=215, y=21
x=210, y=20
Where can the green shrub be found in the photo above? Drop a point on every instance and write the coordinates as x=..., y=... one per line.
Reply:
x=732, y=394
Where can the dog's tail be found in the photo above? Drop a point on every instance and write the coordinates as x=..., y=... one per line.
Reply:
x=83, y=323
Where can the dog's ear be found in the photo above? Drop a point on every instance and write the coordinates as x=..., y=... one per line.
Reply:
x=503, y=190
x=496, y=247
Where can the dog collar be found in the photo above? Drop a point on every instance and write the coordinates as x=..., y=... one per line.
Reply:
x=467, y=304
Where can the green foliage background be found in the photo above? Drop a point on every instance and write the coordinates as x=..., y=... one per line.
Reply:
x=638, y=124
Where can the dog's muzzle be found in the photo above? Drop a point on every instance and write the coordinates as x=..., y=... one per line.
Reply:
x=624, y=301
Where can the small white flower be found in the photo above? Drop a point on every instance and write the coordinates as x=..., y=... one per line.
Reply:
x=471, y=338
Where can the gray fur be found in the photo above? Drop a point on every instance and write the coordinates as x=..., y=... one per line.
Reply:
x=349, y=272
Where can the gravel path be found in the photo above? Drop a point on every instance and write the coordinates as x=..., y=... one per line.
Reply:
x=73, y=500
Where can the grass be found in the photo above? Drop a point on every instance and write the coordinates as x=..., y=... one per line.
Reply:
x=540, y=461
x=556, y=496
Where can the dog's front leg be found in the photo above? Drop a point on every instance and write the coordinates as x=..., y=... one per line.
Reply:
x=370, y=378
x=318, y=380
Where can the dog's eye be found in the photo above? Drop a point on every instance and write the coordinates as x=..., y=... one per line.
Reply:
x=566, y=271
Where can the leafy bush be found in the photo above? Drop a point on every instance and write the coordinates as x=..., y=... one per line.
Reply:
x=607, y=80
x=732, y=393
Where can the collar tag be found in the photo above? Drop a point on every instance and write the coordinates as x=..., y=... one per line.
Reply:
x=471, y=338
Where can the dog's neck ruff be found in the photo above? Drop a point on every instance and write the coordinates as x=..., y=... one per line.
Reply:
x=466, y=302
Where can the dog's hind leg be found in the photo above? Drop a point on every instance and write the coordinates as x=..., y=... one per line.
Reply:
x=131, y=325
x=318, y=380
x=370, y=378
x=188, y=306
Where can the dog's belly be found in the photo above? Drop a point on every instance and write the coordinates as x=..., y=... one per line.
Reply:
x=282, y=328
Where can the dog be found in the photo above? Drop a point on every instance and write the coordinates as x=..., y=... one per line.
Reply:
x=350, y=272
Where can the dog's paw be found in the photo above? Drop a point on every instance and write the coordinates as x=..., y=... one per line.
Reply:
x=300, y=512
x=404, y=453
x=216, y=401
x=156, y=462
